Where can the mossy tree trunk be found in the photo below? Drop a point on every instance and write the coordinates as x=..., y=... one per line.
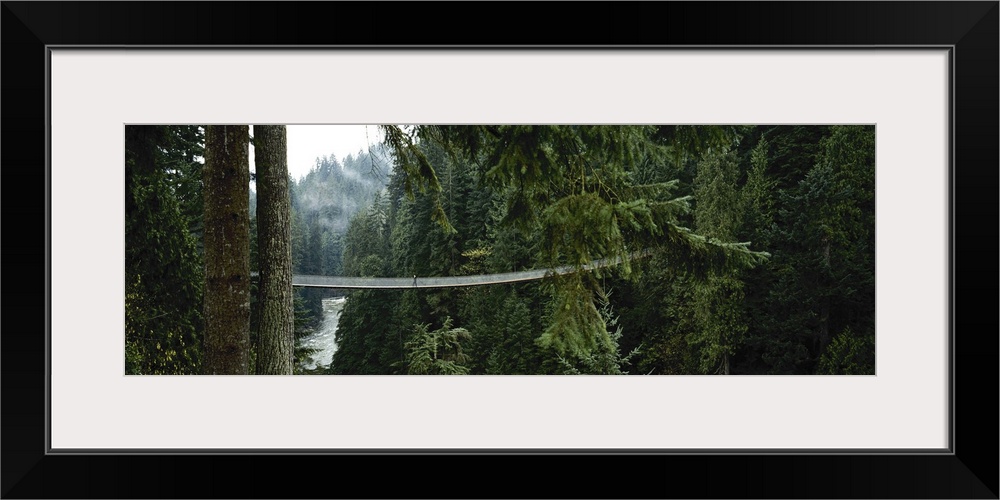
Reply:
x=227, y=250
x=277, y=341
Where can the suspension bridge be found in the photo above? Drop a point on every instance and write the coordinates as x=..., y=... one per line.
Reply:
x=312, y=281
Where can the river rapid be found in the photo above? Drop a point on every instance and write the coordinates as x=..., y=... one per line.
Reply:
x=323, y=340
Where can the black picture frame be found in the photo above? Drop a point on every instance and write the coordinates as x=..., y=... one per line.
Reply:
x=970, y=28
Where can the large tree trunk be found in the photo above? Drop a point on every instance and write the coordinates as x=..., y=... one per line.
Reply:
x=227, y=250
x=277, y=341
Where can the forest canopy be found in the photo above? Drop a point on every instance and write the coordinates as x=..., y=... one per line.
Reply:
x=723, y=250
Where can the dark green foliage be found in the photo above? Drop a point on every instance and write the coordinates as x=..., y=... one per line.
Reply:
x=822, y=276
x=717, y=217
x=163, y=270
x=826, y=278
x=573, y=186
x=180, y=158
x=668, y=321
x=438, y=352
x=506, y=329
x=369, y=340
x=516, y=352
x=606, y=358
x=719, y=323
x=575, y=326
x=848, y=354
x=717, y=301
x=734, y=249
x=304, y=320
x=804, y=194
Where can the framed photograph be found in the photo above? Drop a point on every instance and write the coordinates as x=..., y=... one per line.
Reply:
x=921, y=77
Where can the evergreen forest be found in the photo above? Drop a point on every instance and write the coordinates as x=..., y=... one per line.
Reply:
x=716, y=250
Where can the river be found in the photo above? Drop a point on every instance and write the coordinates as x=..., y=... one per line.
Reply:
x=323, y=340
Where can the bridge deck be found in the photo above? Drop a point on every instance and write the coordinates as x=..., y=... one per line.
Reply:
x=303, y=280
x=312, y=281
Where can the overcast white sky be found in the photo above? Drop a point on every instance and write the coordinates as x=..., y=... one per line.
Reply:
x=308, y=142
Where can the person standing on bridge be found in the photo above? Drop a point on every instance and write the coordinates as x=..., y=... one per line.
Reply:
x=414, y=280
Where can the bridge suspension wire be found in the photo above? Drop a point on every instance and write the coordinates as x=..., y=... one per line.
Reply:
x=312, y=281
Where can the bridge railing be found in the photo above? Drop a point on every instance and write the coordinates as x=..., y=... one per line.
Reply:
x=351, y=282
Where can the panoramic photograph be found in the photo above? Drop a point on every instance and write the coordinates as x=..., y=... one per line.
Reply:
x=499, y=249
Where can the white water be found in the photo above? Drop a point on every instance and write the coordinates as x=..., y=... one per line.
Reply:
x=323, y=340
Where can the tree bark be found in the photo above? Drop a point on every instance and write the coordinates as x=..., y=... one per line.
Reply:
x=277, y=341
x=227, y=250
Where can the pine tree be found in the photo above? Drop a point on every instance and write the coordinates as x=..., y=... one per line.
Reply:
x=438, y=352
x=163, y=275
x=824, y=245
x=717, y=301
x=369, y=338
x=606, y=358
